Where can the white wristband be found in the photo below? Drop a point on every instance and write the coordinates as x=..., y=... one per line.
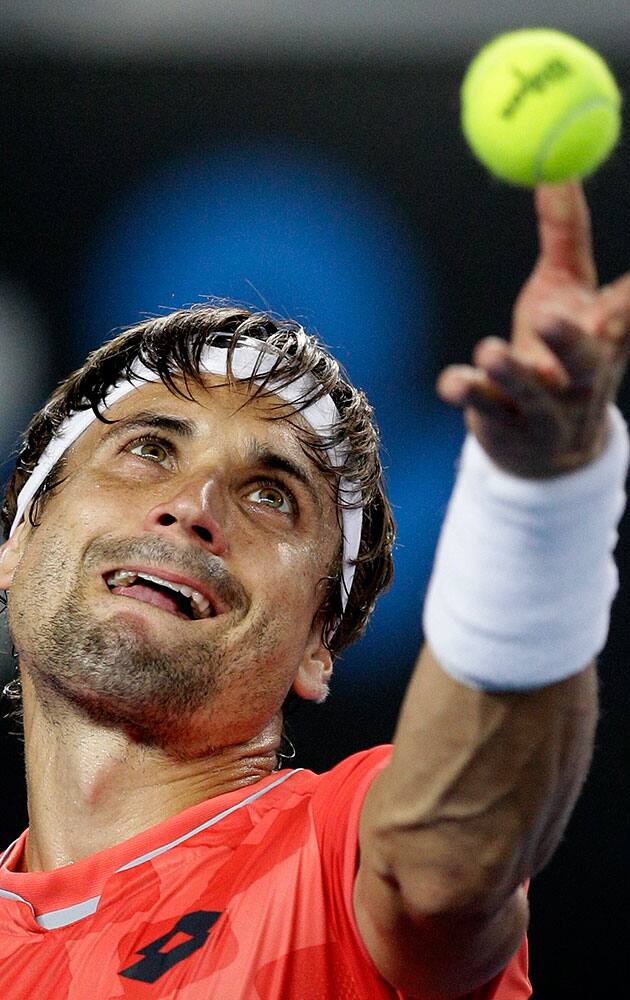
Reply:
x=524, y=576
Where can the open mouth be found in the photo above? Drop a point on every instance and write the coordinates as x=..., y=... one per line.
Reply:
x=177, y=598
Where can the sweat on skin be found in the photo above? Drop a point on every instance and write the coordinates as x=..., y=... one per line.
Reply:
x=119, y=689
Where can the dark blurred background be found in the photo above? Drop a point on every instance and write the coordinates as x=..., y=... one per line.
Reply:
x=306, y=158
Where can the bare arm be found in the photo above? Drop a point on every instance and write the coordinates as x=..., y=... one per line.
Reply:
x=481, y=786
x=477, y=795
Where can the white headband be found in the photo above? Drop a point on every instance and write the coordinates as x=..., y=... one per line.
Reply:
x=247, y=359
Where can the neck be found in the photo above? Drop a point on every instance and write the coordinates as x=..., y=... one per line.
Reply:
x=90, y=787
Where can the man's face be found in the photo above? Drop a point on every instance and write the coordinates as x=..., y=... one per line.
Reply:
x=204, y=495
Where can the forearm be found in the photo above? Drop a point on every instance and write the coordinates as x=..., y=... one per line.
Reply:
x=496, y=732
x=479, y=789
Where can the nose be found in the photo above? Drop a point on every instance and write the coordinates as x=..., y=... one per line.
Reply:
x=195, y=513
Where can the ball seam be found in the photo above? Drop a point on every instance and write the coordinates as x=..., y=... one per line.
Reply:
x=558, y=128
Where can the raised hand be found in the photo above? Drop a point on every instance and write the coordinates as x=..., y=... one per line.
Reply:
x=538, y=403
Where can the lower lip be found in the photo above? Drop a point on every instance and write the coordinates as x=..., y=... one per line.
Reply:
x=153, y=598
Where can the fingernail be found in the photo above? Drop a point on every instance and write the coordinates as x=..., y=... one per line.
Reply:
x=492, y=347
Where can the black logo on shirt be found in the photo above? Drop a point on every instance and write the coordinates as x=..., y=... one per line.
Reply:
x=156, y=962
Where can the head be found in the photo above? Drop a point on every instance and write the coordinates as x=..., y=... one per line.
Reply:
x=275, y=581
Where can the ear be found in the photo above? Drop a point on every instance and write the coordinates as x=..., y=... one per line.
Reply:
x=312, y=679
x=10, y=555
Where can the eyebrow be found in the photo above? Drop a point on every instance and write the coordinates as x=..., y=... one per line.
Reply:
x=256, y=454
x=149, y=418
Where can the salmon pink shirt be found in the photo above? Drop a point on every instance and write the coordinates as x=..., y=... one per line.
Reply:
x=246, y=896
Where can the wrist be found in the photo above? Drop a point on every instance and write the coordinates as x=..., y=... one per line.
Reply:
x=524, y=577
x=518, y=456
x=586, y=478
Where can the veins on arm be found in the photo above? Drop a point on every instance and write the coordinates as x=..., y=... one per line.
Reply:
x=476, y=797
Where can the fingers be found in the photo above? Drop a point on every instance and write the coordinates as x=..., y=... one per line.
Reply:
x=612, y=310
x=564, y=232
x=504, y=381
x=581, y=357
x=523, y=379
x=463, y=385
x=575, y=349
x=590, y=341
x=486, y=408
x=500, y=383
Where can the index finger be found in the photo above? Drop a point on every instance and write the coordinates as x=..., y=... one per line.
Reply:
x=564, y=232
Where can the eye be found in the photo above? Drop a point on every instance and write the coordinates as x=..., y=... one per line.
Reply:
x=151, y=449
x=271, y=495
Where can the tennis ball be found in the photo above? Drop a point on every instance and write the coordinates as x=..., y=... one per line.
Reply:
x=540, y=106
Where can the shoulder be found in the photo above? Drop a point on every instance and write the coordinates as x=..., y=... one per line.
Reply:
x=353, y=772
x=340, y=792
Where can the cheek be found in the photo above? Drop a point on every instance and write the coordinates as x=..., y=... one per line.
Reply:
x=39, y=583
x=70, y=520
x=287, y=555
x=91, y=507
x=70, y=504
x=301, y=568
x=93, y=494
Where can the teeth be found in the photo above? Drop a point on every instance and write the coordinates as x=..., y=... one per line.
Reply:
x=200, y=605
x=121, y=578
x=160, y=581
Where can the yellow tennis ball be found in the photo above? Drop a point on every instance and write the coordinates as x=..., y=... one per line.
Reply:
x=540, y=106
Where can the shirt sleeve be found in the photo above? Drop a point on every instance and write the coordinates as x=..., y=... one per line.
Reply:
x=336, y=808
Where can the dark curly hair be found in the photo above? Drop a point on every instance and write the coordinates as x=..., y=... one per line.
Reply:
x=171, y=346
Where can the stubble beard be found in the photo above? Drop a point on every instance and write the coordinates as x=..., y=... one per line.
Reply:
x=119, y=661
x=122, y=672
x=119, y=671
x=118, y=675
